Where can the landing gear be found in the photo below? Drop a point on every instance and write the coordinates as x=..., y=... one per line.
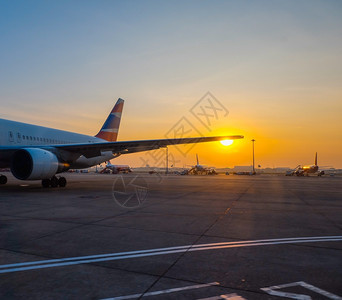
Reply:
x=54, y=182
x=3, y=179
x=46, y=183
x=62, y=182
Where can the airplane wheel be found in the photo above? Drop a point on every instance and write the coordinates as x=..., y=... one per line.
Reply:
x=54, y=181
x=62, y=181
x=3, y=179
x=46, y=183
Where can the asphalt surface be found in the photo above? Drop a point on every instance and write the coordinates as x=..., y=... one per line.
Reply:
x=174, y=237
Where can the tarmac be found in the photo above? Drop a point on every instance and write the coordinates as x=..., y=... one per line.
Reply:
x=134, y=236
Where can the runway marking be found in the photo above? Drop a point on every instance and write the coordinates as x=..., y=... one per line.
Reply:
x=189, y=287
x=227, y=296
x=158, y=251
x=272, y=291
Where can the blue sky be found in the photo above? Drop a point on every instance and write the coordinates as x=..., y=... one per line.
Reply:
x=276, y=65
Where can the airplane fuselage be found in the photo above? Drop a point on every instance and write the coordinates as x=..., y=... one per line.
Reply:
x=310, y=169
x=21, y=135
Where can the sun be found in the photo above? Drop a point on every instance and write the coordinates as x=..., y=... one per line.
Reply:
x=227, y=142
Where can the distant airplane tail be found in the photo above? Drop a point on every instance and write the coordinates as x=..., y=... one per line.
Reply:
x=197, y=159
x=316, y=159
x=110, y=128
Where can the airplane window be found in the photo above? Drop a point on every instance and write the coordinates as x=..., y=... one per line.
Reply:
x=18, y=137
x=31, y=138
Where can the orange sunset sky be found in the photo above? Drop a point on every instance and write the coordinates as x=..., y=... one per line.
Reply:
x=276, y=66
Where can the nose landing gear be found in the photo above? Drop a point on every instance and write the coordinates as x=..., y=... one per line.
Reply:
x=54, y=182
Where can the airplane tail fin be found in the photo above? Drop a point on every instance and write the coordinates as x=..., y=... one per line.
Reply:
x=197, y=159
x=110, y=128
x=316, y=159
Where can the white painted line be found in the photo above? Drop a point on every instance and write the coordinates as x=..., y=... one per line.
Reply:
x=287, y=295
x=90, y=256
x=159, y=251
x=227, y=296
x=166, y=249
x=115, y=256
x=320, y=291
x=272, y=290
x=189, y=287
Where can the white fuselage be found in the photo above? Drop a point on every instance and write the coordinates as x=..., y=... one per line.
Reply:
x=310, y=169
x=21, y=135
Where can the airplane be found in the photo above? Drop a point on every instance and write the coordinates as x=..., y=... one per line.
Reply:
x=200, y=169
x=39, y=153
x=306, y=170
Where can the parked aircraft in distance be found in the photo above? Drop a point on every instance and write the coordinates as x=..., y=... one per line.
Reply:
x=200, y=169
x=306, y=170
x=39, y=153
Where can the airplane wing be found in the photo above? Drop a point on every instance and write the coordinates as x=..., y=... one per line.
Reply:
x=95, y=149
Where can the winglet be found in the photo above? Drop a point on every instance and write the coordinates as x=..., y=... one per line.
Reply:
x=110, y=128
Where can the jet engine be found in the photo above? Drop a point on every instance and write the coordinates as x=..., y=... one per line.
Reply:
x=35, y=164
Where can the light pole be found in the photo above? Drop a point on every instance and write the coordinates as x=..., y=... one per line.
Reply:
x=167, y=161
x=253, y=156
